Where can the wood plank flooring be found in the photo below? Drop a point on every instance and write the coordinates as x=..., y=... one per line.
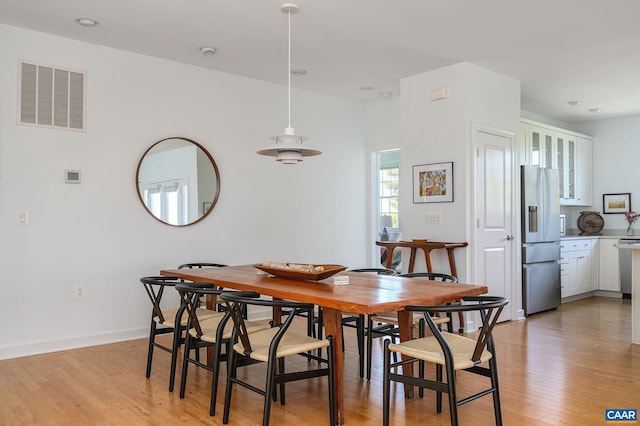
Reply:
x=563, y=367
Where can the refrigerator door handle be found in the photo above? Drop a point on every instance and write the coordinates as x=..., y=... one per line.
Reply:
x=533, y=218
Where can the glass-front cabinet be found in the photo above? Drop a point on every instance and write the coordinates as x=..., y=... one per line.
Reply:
x=569, y=152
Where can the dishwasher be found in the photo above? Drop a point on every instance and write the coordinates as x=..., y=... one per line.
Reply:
x=624, y=262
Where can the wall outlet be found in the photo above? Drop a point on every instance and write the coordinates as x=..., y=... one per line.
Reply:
x=78, y=291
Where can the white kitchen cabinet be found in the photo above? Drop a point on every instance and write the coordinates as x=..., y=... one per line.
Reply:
x=569, y=152
x=609, y=272
x=584, y=172
x=578, y=267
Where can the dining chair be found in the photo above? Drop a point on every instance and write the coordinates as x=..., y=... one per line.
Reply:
x=201, y=265
x=211, y=331
x=272, y=346
x=454, y=352
x=388, y=321
x=166, y=321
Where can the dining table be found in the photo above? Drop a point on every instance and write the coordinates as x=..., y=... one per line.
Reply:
x=364, y=294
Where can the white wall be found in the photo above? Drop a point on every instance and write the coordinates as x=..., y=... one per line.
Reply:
x=616, y=150
x=440, y=131
x=98, y=235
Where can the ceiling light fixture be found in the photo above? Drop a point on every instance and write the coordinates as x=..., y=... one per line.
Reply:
x=208, y=51
x=87, y=22
x=288, y=148
x=575, y=103
x=595, y=109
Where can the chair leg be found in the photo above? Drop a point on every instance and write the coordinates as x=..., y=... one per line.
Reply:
x=451, y=388
x=281, y=371
x=216, y=375
x=152, y=340
x=386, y=385
x=177, y=337
x=493, y=365
x=360, y=336
x=438, y=393
x=185, y=363
x=269, y=388
x=332, y=383
x=231, y=375
x=369, y=345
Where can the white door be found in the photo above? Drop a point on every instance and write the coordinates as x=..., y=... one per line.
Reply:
x=494, y=243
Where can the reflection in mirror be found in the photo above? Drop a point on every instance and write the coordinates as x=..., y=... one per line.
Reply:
x=178, y=181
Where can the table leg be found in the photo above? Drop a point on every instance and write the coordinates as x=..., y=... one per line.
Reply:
x=405, y=325
x=211, y=304
x=333, y=327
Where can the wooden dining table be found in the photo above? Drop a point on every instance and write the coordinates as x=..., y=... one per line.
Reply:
x=365, y=294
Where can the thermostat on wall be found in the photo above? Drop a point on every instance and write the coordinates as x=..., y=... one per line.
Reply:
x=72, y=176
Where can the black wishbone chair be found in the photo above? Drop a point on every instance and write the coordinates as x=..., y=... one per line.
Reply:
x=388, y=321
x=166, y=320
x=453, y=352
x=272, y=346
x=207, y=332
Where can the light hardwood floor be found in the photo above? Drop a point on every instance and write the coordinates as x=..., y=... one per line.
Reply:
x=560, y=367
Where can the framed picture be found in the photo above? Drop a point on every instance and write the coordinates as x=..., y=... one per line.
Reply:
x=206, y=206
x=433, y=183
x=616, y=203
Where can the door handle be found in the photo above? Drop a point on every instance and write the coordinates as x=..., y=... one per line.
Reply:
x=510, y=237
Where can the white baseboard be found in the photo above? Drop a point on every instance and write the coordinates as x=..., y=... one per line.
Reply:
x=7, y=352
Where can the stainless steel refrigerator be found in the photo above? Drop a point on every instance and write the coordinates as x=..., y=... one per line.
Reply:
x=540, y=197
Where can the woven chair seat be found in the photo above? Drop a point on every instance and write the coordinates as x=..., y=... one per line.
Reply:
x=392, y=318
x=170, y=316
x=291, y=344
x=428, y=349
x=210, y=326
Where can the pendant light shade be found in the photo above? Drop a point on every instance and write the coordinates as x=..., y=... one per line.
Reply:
x=289, y=148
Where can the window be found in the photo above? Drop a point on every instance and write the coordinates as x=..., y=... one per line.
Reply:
x=389, y=194
x=168, y=200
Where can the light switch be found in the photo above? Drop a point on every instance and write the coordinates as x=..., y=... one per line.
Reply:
x=72, y=176
x=433, y=218
x=23, y=217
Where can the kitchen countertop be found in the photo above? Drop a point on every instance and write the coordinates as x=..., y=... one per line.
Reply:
x=573, y=234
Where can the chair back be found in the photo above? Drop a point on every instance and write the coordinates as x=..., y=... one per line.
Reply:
x=489, y=307
x=200, y=265
x=154, y=287
x=435, y=276
x=236, y=303
x=379, y=271
x=190, y=294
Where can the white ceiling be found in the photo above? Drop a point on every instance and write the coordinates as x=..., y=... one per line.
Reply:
x=561, y=50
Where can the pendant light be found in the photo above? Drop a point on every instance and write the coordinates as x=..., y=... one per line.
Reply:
x=288, y=148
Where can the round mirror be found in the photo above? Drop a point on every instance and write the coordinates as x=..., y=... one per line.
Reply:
x=178, y=181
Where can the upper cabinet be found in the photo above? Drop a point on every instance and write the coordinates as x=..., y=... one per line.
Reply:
x=569, y=152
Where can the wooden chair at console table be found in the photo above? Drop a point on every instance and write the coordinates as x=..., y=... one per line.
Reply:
x=426, y=247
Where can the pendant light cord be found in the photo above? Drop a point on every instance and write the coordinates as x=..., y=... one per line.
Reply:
x=289, y=67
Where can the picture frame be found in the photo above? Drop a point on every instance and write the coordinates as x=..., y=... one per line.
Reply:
x=433, y=183
x=616, y=203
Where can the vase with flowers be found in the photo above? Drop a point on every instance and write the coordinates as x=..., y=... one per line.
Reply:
x=631, y=218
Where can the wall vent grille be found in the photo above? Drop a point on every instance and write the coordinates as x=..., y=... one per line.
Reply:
x=51, y=97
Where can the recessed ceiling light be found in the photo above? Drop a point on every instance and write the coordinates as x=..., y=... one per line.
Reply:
x=208, y=51
x=298, y=72
x=367, y=88
x=575, y=103
x=595, y=109
x=385, y=94
x=87, y=22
